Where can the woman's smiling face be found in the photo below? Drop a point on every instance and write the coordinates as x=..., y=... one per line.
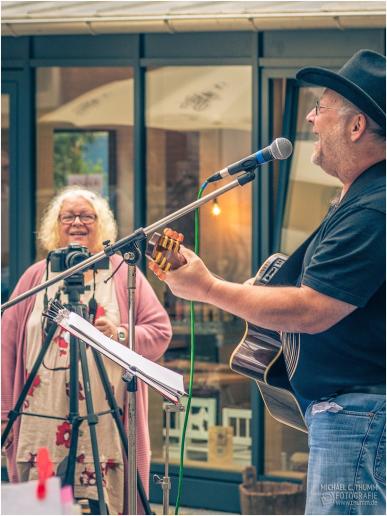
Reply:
x=83, y=233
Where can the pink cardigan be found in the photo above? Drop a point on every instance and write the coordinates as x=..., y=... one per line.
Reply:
x=153, y=334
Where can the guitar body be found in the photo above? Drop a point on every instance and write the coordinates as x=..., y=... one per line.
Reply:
x=259, y=356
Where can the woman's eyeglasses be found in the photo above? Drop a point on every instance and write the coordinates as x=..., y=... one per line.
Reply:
x=85, y=218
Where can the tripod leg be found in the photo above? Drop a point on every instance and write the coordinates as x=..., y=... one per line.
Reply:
x=74, y=418
x=71, y=458
x=92, y=420
x=15, y=412
x=116, y=414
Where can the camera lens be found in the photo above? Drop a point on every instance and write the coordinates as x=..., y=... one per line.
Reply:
x=75, y=257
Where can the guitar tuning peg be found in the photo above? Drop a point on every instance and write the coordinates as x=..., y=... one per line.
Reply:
x=164, y=250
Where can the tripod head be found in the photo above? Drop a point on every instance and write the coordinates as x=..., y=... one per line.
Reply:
x=74, y=286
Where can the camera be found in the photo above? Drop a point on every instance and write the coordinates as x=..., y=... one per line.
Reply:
x=66, y=257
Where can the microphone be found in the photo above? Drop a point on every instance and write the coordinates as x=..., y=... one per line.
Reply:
x=280, y=148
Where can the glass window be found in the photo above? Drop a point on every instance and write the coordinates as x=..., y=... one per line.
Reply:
x=310, y=189
x=5, y=104
x=198, y=121
x=85, y=135
x=309, y=193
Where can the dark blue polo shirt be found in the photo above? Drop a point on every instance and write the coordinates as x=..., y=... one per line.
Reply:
x=346, y=260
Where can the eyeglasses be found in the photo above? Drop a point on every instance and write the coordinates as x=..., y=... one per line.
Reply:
x=318, y=106
x=85, y=218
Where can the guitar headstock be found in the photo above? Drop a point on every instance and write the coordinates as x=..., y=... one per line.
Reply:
x=164, y=250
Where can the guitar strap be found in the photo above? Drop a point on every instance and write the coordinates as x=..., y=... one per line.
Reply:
x=289, y=272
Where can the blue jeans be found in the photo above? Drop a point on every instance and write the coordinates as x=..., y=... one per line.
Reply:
x=347, y=458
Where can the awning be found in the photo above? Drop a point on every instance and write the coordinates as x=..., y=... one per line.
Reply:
x=91, y=17
x=204, y=98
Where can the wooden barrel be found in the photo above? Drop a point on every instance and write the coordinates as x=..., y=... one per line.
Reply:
x=265, y=497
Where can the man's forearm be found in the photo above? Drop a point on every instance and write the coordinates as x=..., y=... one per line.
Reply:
x=292, y=309
x=275, y=308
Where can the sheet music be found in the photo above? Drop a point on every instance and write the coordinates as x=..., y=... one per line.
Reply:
x=20, y=498
x=167, y=382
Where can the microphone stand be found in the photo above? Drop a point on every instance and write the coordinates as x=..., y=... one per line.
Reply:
x=128, y=248
x=131, y=257
x=136, y=236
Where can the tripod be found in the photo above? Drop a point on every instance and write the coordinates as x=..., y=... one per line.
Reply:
x=73, y=287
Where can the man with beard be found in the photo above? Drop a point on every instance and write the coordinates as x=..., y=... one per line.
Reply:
x=336, y=311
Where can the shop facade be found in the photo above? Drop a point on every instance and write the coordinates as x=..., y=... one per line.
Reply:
x=144, y=118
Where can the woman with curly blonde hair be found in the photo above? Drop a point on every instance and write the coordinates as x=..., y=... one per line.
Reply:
x=106, y=227
x=82, y=217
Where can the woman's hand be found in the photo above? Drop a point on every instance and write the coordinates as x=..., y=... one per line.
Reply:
x=105, y=325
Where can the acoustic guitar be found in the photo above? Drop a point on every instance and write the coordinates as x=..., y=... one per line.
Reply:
x=260, y=357
x=260, y=354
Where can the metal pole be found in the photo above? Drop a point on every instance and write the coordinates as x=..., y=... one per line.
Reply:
x=132, y=391
x=165, y=482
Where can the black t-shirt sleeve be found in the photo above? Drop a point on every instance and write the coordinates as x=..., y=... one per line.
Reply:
x=349, y=263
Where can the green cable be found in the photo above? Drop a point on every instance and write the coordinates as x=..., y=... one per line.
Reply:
x=192, y=364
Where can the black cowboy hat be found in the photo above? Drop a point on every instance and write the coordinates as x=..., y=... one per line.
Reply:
x=362, y=81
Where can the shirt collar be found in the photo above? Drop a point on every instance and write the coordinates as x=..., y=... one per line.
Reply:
x=367, y=179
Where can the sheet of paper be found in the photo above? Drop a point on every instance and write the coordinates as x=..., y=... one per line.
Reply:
x=154, y=374
x=21, y=498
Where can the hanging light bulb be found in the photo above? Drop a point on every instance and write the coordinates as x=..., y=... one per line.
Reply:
x=216, y=208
